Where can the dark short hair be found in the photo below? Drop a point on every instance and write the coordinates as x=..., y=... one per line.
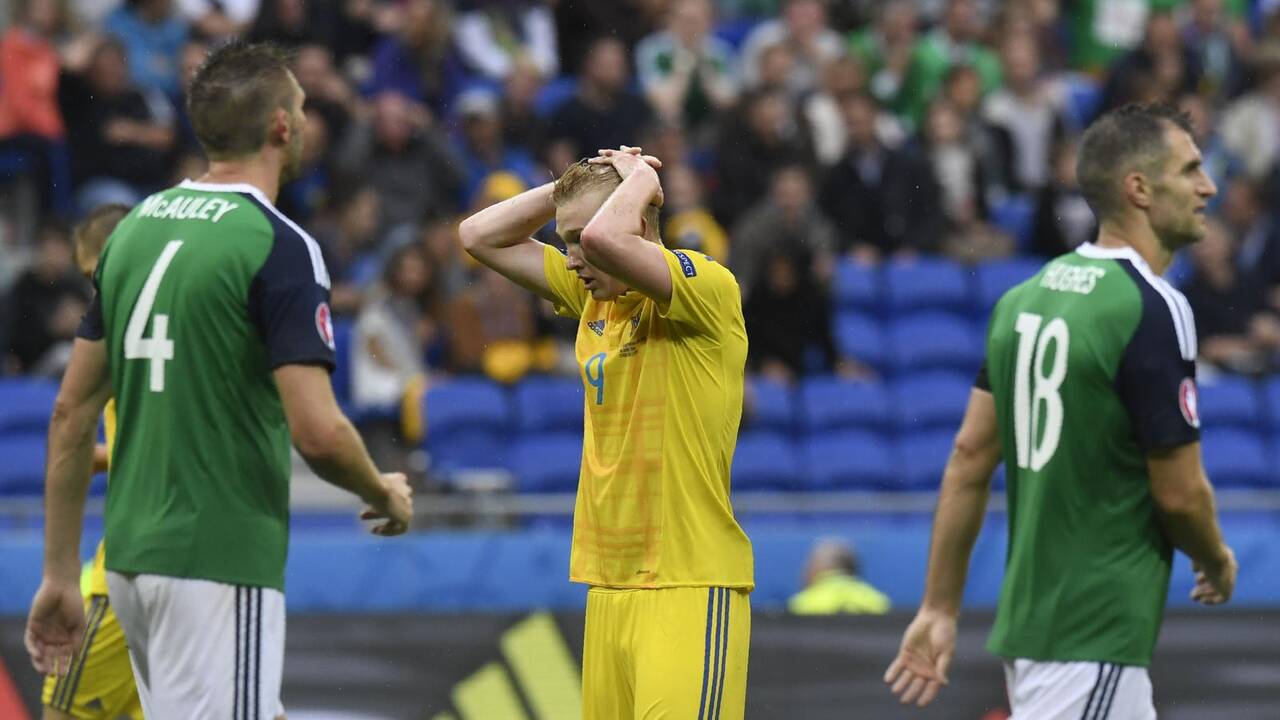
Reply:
x=234, y=95
x=1121, y=141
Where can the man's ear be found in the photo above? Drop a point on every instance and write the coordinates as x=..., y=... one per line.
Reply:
x=1137, y=189
x=279, y=132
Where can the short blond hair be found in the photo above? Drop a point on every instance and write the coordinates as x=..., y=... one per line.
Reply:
x=583, y=177
x=90, y=235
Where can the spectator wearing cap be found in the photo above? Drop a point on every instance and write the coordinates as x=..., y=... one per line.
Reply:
x=483, y=149
x=688, y=74
x=603, y=113
x=803, y=29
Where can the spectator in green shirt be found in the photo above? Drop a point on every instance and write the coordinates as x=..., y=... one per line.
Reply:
x=954, y=42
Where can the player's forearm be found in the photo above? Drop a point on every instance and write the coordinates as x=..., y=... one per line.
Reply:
x=340, y=458
x=509, y=222
x=620, y=214
x=71, y=446
x=962, y=506
x=1191, y=525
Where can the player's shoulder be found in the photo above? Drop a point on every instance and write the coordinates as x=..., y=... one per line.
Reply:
x=1165, y=316
x=694, y=265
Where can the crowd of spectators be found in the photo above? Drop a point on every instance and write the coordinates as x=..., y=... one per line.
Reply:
x=796, y=134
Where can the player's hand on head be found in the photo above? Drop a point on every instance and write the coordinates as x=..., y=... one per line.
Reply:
x=1215, y=586
x=628, y=161
x=919, y=671
x=396, y=507
x=54, y=627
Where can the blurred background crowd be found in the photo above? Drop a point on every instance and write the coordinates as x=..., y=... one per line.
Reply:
x=803, y=141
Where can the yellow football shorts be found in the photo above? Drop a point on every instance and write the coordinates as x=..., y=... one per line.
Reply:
x=99, y=685
x=666, y=653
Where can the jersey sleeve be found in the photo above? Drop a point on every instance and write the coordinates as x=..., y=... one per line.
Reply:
x=983, y=380
x=703, y=292
x=569, y=293
x=91, y=326
x=289, y=302
x=1156, y=378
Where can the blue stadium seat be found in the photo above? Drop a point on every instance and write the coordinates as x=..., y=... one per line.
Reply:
x=847, y=461
x=769, y=406
x=828, y=403
x=856, y=286
x=860, y=337
x=930, y=401
x=547, y=462
x=934, y=341
x=926, y=284
x=1230, y=402
x=765, y=461
x=472, y=449
x=22, y=471
x=343, y=330
x=25, y=405
x=995, y=278
x=1015, y=215
x=466, y=404
x=547, y=404
x=1235, y=458
x=922, y=458
x=1271, y=399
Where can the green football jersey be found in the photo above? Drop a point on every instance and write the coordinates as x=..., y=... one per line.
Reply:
x=1092, y=366
x=203, y=290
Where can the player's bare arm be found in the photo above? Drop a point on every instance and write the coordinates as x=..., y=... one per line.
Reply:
x=919, y=671
x=1188, y=516
x=333, y=448
x=614, y=239
x=499, y=237
x=57, y=620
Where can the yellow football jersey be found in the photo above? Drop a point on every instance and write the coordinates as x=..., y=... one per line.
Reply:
x=663, y=402
x=98, y=575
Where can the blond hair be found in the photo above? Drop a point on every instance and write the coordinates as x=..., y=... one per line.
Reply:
x=583, y=177
x=91, y=234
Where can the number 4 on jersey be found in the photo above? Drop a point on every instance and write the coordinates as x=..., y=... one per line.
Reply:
x=158, y=348
x=1033, y=388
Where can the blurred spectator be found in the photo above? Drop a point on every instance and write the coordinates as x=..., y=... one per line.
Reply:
x=219, y=18
x=1219, y=39
x=400, y=153
x=886, y=49
x=788, y=315
x=45, y=306
x=803, y=30
x=1103, y=30
x=194, y=53
x=883, y=200
x=1235, y=329
x=438, y=238
x=491, y=328
x=394, y=329
x=789, y=219
x=1062, y=219
x=690, y=225
x=483, y=149
x=603, y=114
x=496, y=35
x=832, y=584
x=953, y=42
x=1160, y=70
x=1250, y=126
x=1028, y=111
x=302, y=197
x=347, y=234
x=417, y=61
x=1245, y=213
x=120, y=143
x=688, y=74
x=294, y=23
x=152, y=35
x=328, y=92
x=522, y=125
x=991, y=145
x=821, y=110
x=761, y=137
x=30, y=119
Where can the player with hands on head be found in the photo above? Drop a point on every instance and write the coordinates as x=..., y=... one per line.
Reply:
x=661, y=351
x=1088, y=395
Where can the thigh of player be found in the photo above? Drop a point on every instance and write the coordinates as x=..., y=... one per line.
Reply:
x=1078, y=691
x=691, y=655
x=99, y=683
x=203, y=649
